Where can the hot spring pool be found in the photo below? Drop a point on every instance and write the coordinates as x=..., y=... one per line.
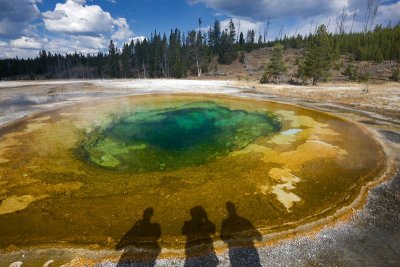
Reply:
x=84, y=173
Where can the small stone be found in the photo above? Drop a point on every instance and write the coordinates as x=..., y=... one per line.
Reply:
x=48, y=263
x=16, y=264
x=3, y=194
x=95, y=246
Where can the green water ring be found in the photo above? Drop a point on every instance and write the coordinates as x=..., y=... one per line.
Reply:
x=172, y=138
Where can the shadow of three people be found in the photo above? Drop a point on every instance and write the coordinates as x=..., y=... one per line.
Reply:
x=141, y=247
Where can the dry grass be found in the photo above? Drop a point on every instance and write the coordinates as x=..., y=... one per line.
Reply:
x=384, y=96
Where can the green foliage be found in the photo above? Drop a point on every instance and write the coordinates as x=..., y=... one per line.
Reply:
x=363, y=77
x=227, y=53
x=395, y=74
x=318, y=57
x=250, y=41
x=242, y=57
x=265, y=77
x=301, y=74
x=276, y=66
x=351, y=73
x=114, y=66
x=360, y=75
x=178, y=56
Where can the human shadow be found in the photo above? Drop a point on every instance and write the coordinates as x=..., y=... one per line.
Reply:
x=199, y=246
x=239, y=233
x=140, y=245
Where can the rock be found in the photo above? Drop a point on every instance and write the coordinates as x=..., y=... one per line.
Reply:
x=48, y=263
x=3, y=194
x=16, y=203
x=16, y=264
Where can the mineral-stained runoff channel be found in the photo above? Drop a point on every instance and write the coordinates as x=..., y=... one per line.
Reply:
x=83, y=174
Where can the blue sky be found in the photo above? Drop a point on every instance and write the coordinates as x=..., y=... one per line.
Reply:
x=27, y=26
x=144, y=16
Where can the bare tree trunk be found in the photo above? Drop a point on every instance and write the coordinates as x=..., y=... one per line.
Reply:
x=352, y=23
x=144, y=70
x=198, y=68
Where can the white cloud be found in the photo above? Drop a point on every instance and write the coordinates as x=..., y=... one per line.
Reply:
x=74, y=17
x=80, y=44
x=79, y=2
x=301, y=16
x=385, y=14
x=262, y=10
x=25, y=47
x=16, y=15
x=89, y=44
x=75, y=27
x=27, y=43
x=242, y=25
x=9, y=52
x=389, y=13
x=123, y=32
x=137, y=39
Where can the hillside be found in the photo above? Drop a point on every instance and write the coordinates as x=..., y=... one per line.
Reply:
x=254, y=63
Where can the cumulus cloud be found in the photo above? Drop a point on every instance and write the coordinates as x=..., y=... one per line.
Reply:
x=74, y=17
x=242, y=25
x=123, y=32
x=388, y=13
x=27, y=43
x=16, y=16
x=303, y=16
x=89, y=44
x=137, y=39
x=76, y=43
x=262, y=10
x=74, y=27
x=7, y=51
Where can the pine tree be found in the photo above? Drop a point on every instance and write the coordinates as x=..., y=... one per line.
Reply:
x=250, y=38
x=395, y=74
x=156, y=57
x=241, y=39
x=241, y=48
x=277, y=66
x=125, y=58
x=317, y=59
x=227, y=53
x=113, y=60
x=232, y=32
x=215, y=37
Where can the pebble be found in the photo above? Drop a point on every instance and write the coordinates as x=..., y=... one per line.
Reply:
x=48, y=263
x=16, y=264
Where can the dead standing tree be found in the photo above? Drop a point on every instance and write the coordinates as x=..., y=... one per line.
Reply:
x=370, y=14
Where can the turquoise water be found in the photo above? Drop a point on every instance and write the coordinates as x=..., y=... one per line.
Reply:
x=171, y=138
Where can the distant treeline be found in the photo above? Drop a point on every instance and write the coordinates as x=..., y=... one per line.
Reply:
x=180, y=55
